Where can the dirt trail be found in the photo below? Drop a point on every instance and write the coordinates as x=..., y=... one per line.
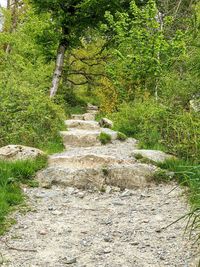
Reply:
x=67, y=226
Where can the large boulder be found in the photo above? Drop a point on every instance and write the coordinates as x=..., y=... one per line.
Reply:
x=18, y=152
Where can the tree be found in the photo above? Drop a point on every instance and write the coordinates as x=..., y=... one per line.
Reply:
x=72, y=18
x=142, y=49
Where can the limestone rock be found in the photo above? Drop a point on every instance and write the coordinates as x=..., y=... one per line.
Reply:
x=18, y=152
x=87, y=160
x=77, y=116
x=112, y=133
x=80, y=178
x=82, y=124
x=85, y=117
x=154, y=155
x=92, y=107
x=106, y=123
x=120, y=175
x=130, y=175
x=89, y=116
x=80, y=138
x=195, y=105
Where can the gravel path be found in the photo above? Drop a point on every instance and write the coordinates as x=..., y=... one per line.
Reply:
x=69, y=227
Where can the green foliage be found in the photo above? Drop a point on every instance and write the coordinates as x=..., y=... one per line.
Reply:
x=159, y=127
x=28, y=117
x=121, y=136
x=142, y=49
x=11, y=175
x=104, y=138
x=162, y=176
x=72, y=18
x=188, y=174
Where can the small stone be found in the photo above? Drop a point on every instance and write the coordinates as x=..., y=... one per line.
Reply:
x=158, y=230
x=126, y=193
x=117, y=203
x=69, y=260
x=43, y=232
x=108, y=189
x=135, y=243
x=81, y=195
x=107, y=239
x=107, y=251
x=57, y=212
x=162, y=258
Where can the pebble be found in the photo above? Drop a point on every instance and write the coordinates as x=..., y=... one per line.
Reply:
x=43, y=232
x=126, y=193
x=68, y=260
x=81, y=195
x=56, y=212
x=117, y=203
x=108, y=239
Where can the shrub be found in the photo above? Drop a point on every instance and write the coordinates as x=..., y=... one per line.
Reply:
x=104, y=138
x=28, y=117
x=159, y=127
x=121, y=136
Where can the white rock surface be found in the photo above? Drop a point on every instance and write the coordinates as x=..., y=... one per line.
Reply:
x=18, y=152
x=81, y=124
x=154, y=155
x=80, y=138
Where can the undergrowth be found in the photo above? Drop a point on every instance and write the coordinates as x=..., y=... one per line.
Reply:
x=188, y=174
x=12, y=174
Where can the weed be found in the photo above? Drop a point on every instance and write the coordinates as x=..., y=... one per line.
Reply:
x=105, y=138
x=121, y=136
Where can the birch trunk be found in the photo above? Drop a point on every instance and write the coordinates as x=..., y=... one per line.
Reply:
x=58, y=69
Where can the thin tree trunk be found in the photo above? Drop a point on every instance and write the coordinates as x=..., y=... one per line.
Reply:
x=58, y=69
x=13, y=6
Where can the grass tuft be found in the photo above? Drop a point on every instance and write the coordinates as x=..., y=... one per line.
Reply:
x=12, y=174
x=105, y=138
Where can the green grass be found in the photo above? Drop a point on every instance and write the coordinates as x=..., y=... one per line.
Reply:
x=78, y=110
x=105, y=138
x=121, y=136
x=188, y=174
x=12, y=174
x=52, y=147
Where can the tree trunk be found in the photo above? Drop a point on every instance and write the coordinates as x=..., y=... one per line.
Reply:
x=12, y=5
x=58, y=69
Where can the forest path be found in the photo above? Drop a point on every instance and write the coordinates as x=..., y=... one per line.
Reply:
x=80, y=226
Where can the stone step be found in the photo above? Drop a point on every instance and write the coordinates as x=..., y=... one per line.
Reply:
x=81, y=124
x=87, y=160
x=84, y=117
x=84, y=138
x=80, y=138
x=121, y=175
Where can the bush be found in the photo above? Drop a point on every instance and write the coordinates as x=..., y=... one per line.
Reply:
x=159, y=127
x=121, y=136
x=104, y=138
x=28, y=117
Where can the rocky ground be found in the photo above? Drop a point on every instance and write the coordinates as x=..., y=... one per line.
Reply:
x=70, y=227
x=100, y=227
